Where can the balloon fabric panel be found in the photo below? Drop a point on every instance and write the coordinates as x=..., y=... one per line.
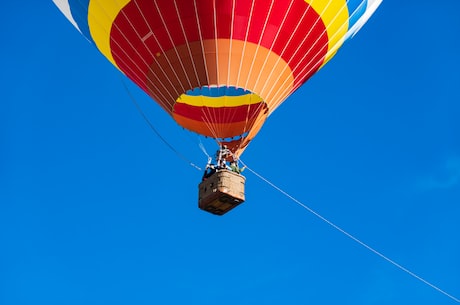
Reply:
x=254, y=53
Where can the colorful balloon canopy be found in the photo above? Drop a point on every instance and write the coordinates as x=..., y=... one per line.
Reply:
x=219, y=67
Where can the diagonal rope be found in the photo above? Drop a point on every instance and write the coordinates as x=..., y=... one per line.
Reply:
x=349, y=235
x=152, y=127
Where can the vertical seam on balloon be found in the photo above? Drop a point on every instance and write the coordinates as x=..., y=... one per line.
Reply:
x=252, y=64
x=127, y=55
x=168, y=104
x=226, y=114
x=187, y=43
x=231, y=42
x=273, y=44
x=284, y=69
x=245, y=42
x=207, y=120
x=269, y=54
x=149, y=68
x=164, y=53
x=201, y=41
x=332, y=50
x=232, y=114
x=247, y=117
x=280, y=57
x=260, y=39
x=279, y=95
x=275, y=105
x=214, y=11
x=220, y=115
x=175, y=50
x=292, y=36
x=300, y=80
x=326, y=16
x=255, y=56
x=206, y=117
x=254, y=115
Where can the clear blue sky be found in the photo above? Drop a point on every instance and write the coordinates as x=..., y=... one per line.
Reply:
x=95, y=209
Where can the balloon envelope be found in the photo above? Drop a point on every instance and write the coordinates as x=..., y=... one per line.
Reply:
x=219, y=67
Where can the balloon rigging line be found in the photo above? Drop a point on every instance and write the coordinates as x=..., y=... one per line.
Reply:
x=245, y=42
x=271, y=48
x=201, y=41
x=216, y=43
x=162, y=51
x=187, y=42
x=203, y=149
x=163, y=100
x=232, y=23
x=158, y=93
x=293, y=32
x=154, y=57
x=254, y=58
x=149, y=123
x=168, y=60
x=315, y=59
x=332, y=50
x=278, y=100
x=175, y=49
x=134, y=74
x=349, y=235
x=313, y=62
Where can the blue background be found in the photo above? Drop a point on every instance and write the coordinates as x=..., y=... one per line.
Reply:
x=95, y=209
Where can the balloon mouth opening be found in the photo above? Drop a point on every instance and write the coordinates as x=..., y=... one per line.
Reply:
x=234, y=138
x=226, y=113
x=217, y=91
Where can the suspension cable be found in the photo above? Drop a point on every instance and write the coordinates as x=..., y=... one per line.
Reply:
x=149, y=123
x=349, y=235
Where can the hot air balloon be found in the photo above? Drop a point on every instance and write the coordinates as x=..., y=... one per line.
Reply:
x=219, y=67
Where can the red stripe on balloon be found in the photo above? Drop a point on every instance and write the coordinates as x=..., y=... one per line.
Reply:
x=134, y=48
x=213, y=115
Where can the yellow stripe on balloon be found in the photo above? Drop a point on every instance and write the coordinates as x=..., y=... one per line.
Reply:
x=334, y=15
x=101, y=15
x=221, y=101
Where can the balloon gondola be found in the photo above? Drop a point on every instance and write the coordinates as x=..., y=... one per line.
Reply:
x=219, y=67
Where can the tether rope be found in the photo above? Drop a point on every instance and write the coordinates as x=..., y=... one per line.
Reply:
x=324, y=219
x=146, y=119
x=152, y=127
x=349, y=235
